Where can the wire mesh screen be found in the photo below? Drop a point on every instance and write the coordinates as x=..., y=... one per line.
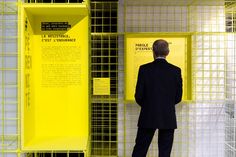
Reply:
x=9, y=129
x=206, y=125
x=104, y=64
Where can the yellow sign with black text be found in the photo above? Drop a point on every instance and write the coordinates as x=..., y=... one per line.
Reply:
x=138, y=51
x=55, y=71
x=101, y=86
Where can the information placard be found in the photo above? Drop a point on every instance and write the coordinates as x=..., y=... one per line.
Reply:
x=55, y=106
x=101, y=86
x=138, y=51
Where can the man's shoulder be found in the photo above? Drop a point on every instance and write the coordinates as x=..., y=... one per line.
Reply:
x=173, y=66
x=146, y=65
x=150, y=65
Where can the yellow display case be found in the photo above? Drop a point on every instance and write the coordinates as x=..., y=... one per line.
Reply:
x=138, y=51
x=54, y=75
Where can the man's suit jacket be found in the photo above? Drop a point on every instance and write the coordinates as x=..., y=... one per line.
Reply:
x=158, y=89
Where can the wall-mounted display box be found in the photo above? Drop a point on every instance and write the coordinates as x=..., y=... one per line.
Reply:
x=138, y=51
x=54, y=76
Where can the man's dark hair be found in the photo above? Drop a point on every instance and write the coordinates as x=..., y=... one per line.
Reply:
x=160, y=48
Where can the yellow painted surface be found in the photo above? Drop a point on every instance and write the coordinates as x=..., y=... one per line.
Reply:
x=101, y=86
x=55, y=112
x=138, y=51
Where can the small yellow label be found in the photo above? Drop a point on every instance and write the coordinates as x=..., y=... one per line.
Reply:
x=101, y=86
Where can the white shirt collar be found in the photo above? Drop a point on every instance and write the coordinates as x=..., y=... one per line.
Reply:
x=160, y=58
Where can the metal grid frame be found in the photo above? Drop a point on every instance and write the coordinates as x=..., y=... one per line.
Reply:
x=104, y=63
x=9, y=119
x=114, y=122
x=206, y=115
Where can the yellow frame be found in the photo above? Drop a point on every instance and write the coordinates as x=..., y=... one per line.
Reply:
x=187, y=79
x=77, y=138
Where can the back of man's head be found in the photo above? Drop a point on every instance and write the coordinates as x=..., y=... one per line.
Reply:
x=160, y=48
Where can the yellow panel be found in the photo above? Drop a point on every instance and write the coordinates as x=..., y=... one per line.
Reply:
x=55, y=108
x=139, y=51
x=101, y=86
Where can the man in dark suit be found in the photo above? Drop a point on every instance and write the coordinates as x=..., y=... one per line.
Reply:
x=158, y=89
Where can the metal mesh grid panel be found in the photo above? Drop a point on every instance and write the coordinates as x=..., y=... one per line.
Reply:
x=156, y=18
x=104, y=17
x=230, y=131
x=8, y=79
x=104, y=63
x=200, y=130
x=175, y=2
x=104, y=134
x=208, y=63
x=142, y=18
x=230, y=67
x=230, y=107
x=206, y=19
x=209, y=129
x=230, y=139
x=104, y=108
x=206, y=128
